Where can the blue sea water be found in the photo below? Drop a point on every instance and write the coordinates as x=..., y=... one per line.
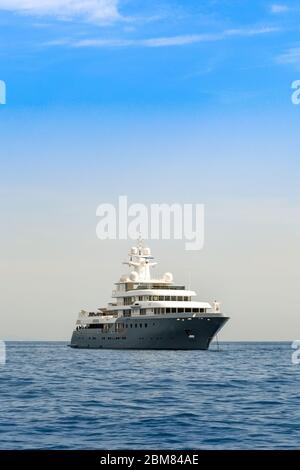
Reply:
x=247, y=395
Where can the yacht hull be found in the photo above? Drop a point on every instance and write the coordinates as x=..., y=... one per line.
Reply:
x=152, y=332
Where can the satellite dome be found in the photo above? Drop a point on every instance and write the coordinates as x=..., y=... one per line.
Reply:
x=123, y=278
x=146, y=251
x=134, y=276
x=134, y=250
x=168, y=277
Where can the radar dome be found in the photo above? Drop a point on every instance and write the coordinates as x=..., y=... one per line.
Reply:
x=134, y=250
x=146, y=251
x=134, y=276
x=168, y=277
x=123, y=278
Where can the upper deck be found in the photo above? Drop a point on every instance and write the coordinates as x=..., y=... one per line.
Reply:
x=137, y=294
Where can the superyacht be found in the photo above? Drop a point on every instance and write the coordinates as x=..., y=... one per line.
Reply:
x=148, y=313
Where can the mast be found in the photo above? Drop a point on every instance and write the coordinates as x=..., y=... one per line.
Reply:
x=140, y=262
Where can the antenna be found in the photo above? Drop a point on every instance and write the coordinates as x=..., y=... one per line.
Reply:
x=140, y=243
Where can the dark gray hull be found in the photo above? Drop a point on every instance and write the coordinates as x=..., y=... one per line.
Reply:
x=152, y=333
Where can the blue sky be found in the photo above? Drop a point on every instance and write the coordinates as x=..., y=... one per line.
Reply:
x=165, y=101
x=147, y=53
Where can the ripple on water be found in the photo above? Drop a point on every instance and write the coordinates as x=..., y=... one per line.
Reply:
x=245, y=396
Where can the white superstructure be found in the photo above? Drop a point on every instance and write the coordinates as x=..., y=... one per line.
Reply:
x=138, y=294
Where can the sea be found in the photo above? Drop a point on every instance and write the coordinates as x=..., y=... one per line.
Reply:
x=240, y=395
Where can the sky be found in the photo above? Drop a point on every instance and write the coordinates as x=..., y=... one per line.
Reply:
x=162, y=101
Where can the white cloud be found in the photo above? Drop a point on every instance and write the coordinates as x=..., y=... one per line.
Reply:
x=180, y=40
x=276, y=8
x=291, y=56
x=94, y=10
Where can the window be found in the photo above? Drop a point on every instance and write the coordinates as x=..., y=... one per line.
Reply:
x=141, y=325
x=173, y=310
x=135, y=325
x=180, y=299
x=180, y=310
x=130, y=325
x=127, y=300
x=168, y=310
x=167, y=297
x=195, y=310
x=185, y=299
x=146, y=325
x=188, y=310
